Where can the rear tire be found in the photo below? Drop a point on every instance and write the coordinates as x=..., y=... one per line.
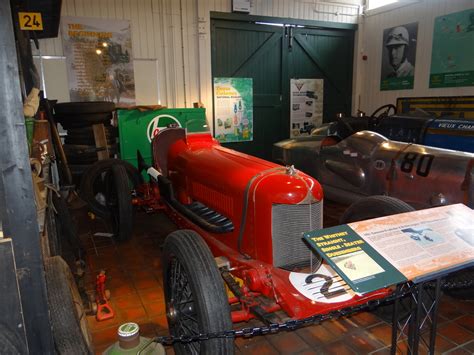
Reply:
x=373, y=207
x=93, y=177
x=68, y=319
x=119, y=201
x=196, y=301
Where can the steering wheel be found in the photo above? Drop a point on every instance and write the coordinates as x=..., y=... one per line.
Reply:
x=380, y=113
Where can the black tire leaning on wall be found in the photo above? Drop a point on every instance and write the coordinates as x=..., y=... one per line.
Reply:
x=77, y=108
x=68, y=320
x=185, y=250
x=94, y=173
x=122, y=213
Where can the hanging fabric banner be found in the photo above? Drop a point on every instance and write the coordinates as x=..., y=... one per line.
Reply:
x=99, y=60
x=452, y=56
x=233, y=109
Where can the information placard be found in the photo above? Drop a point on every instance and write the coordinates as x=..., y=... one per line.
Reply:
x=413, y=246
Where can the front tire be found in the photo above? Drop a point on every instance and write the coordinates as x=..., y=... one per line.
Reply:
x=196, y=301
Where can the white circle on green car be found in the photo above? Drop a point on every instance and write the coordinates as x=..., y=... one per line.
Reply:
x=154, y=126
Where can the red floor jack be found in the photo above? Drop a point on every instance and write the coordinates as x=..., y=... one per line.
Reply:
x=103, y=311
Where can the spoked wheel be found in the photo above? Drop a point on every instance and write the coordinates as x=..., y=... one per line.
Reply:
x=196, y=301
x=119, y=202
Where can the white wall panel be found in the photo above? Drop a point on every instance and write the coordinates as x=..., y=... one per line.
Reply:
x=370, y=43
x=175, y=34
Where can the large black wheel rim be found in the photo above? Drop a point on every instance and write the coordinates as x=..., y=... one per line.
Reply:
x=181, y=308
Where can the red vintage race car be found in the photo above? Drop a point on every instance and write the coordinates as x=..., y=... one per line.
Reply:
x=241, y=223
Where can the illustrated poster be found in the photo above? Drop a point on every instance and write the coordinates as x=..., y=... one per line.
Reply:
x=233, y=109
x=99, y=60
x=306, y=102
x=452, y=56
x=399, y=57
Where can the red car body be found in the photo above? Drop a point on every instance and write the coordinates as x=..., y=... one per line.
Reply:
x=267, y=205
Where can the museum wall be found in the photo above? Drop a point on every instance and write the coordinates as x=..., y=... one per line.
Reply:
x=367, y=74
x=171, y=42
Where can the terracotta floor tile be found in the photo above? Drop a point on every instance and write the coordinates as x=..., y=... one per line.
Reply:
x=126, y=301
x=287, y=342
x=144, y=284
x=340, y=326
x=155, y=309
x=337, y=348
x=123, y=290
x=309, y=352
x=458, y=351
x=160, y=322
x=365, y=319
x=259, y=348
x=466, y=322
x=96, y=326
x=133, y=314
x=105, y=337
x=382, y=332
x=384, y=351
x=469, y=346
x=363, y=342
x=455, y=333
x=243, y=342
x=151, y=295
x=447, y=310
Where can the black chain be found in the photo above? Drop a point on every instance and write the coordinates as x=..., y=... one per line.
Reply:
x=291, y=324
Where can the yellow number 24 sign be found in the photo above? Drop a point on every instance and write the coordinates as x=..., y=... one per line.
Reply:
x=30, y=21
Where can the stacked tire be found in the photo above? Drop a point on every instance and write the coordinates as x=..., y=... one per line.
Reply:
x=77, y=118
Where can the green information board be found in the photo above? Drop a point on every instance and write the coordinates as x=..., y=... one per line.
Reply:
x=452, y=58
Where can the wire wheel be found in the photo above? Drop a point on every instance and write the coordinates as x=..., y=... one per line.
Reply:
x=196, y=301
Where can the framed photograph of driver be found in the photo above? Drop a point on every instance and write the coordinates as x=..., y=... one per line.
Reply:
x=399, y=57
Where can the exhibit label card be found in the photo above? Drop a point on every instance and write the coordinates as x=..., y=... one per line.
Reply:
x=356, y=261
x=414, y=246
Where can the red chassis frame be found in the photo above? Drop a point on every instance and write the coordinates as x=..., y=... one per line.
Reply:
x=198, y=167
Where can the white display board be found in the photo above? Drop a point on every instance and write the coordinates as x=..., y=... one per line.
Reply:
x=306, y=105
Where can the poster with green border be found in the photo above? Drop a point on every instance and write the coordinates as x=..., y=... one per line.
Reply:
x=233, y=109
x=452, y=56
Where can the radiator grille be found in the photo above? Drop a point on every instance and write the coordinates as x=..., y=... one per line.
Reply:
x=289, y=222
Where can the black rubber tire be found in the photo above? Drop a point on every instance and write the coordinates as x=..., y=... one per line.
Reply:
x=68, y=236
x=90, y=119
x=88, y=131
x=65, y=108
x=186, y=250
x=373, y=207
x=11, y=342
x=52, y=228
x=87, y=140
x=87, y=188
x=68, y=319
x=466, y=293
x=121, y=207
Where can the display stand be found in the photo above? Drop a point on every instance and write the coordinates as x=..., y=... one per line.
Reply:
x=413, y=250
x=422, y=316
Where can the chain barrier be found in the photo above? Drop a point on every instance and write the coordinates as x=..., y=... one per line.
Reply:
x=292, y=324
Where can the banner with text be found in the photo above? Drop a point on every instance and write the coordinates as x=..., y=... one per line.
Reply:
x=99, y=60
x=306, y=96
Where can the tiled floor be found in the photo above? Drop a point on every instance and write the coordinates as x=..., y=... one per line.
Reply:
x=135, y=281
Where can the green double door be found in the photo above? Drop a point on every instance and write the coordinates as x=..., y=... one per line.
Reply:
x=272, y=55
